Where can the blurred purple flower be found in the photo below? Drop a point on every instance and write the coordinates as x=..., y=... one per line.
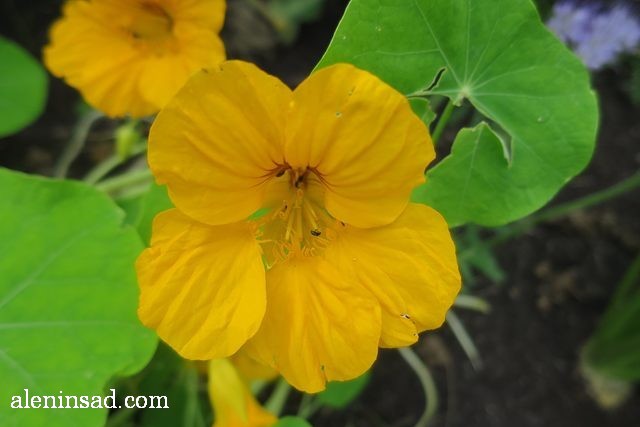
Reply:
x=596, y=33
x=570, y=22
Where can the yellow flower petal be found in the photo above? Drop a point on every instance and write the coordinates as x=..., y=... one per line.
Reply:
x=202, y=288
x=218, y=142
x=318, y=327
x=232, y=402
x=202, y=12
x=128, y=57
x=162, y=77
x=361, y=136
x=251, y=369
x=410, y=266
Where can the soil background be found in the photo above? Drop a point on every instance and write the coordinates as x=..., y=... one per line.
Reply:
x=560, y=275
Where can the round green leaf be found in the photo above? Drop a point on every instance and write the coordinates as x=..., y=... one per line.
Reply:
x=501, y=58
x=68, y=298
x=23, y=88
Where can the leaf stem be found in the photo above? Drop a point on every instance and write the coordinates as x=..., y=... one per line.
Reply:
x=308, y=406
x=103, y=168
x=442, y=122
x=193, y=412
x=119, y=182
x=75, y=144
x=428, y=385
x=625, y=291
x=561, y=210
x=592, y=199
x=278, y=398
x=472, y=302
x=465, y=340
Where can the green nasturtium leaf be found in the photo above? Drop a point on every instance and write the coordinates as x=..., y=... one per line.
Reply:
x=474, y=152
x=142, y=209
x=68, y=298
x=339, y=395
x=23, y=88
x=292, y=422
x=502, y=59
x=422, y=108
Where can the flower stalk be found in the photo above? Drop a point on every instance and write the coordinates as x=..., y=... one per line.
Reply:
x=428, y=385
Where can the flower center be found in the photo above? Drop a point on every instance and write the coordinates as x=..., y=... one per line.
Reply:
x=300, y=225
x=151, y=24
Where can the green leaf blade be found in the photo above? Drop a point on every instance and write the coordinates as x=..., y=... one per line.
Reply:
x=500, y=57
x=339, y=395
x=68, y=298
x=23, y=88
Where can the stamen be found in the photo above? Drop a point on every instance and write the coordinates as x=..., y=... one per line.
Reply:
x=310, y=216
x=289, y=228
x=300, y=225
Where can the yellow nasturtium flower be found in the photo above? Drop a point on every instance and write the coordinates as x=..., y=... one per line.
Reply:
x=129, y=57
x=293, y=232
x=232, y=401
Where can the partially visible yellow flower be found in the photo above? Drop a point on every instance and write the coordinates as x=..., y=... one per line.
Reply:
x=293, y=232
x=232, y=401
x=129, y=57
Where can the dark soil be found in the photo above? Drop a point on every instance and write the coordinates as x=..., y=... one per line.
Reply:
x=560, y=275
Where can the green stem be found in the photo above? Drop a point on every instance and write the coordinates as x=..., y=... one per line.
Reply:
x=256, y=386
x=561, y=210
x=465, y=340
x=428, y=385
x=125, y=180
x=103, y=168
x=278, y=398
x=133, y=191
x=75, y=144
x=193, y=412
x=308, y=406
x=471, y=302
x=442, y=122
x=591, y=200
x=628, y=281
